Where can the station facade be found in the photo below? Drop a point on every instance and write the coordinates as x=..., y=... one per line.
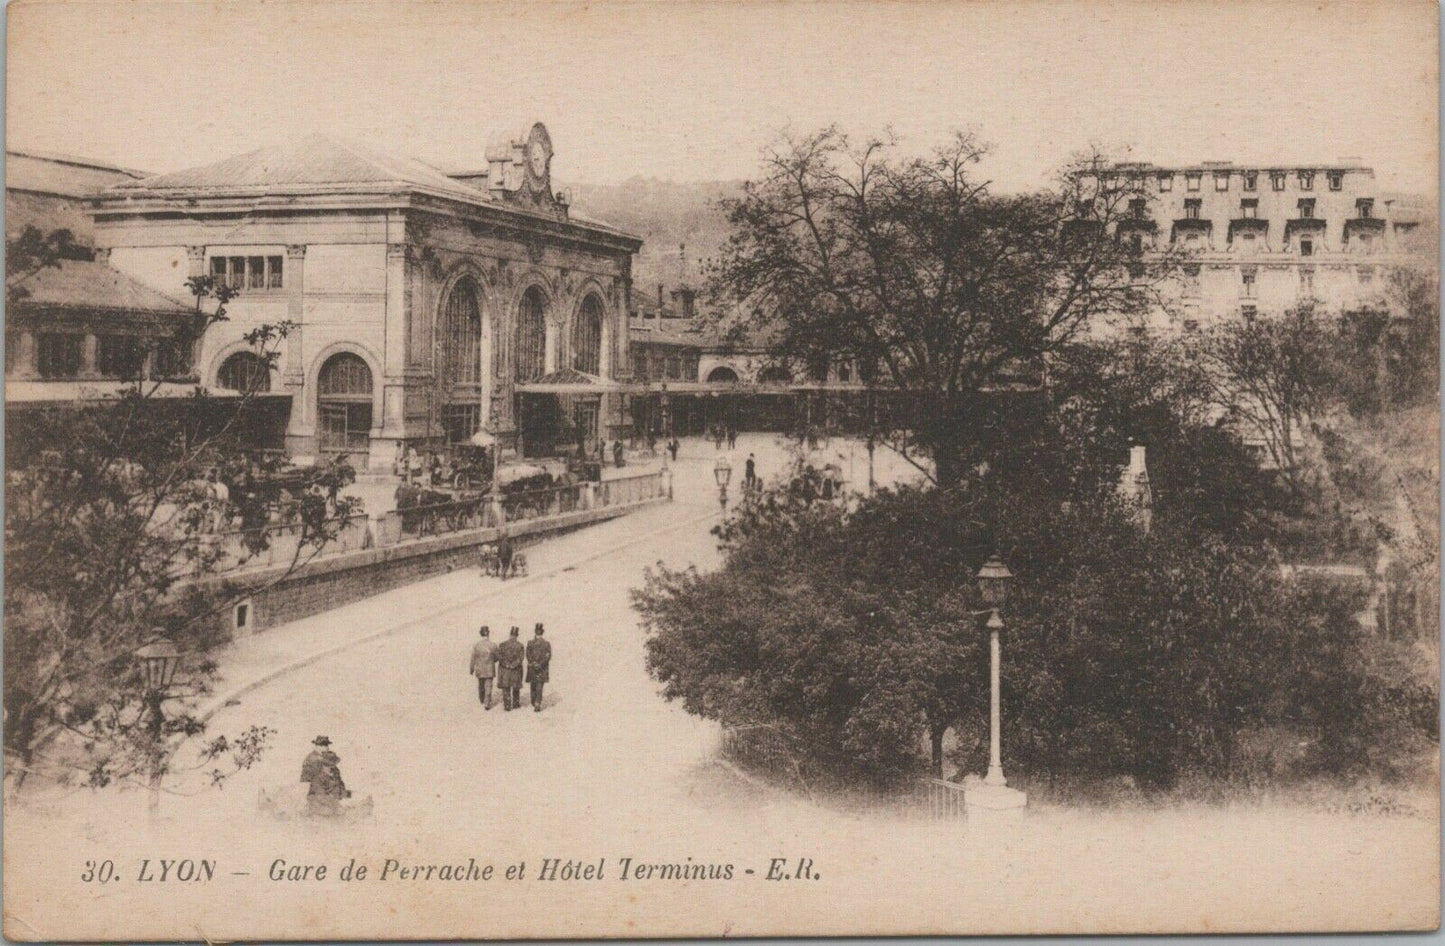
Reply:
x=423, y=306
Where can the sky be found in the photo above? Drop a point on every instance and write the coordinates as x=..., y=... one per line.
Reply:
x=692, y=91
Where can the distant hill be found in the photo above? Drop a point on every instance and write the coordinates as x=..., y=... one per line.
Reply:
x=666, y=214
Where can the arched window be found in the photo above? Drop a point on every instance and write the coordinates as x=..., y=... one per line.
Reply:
x=460, y=358
x=343, y=401
x=587, y=337
x=246, y=372
x=776, y=374
x=722, y=374
x=530, y=362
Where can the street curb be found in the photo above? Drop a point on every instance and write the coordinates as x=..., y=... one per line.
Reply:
x=218, y=703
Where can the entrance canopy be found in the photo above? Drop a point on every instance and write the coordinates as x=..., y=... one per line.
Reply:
x=568, y=381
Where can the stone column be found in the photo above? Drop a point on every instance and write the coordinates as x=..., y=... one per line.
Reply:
x=294, y=279
x=402, y=376
x=89, y=348
x=196, y=267
x=301, y=427
x=552, y=332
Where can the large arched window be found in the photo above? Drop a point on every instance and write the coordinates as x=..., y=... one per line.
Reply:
x=460, y=358
x=343, y=402
x=587, y=337
x=722, y=374
x=246, y=372
x=530, y=362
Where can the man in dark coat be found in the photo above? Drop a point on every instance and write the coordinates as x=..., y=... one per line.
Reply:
x=750, y=475
x=539, y=660
x=617, y=453
x=510, y=654
x=504, y=554
x=322, y=769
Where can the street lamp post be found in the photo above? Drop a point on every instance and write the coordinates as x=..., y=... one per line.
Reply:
x=994, y=579
x=722, y=471
x=158, y=662
x=993, y=584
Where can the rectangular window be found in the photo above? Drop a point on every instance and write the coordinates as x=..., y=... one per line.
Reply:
x=1248, y=284
x=1306, y=180
x=255, y=272
x=1306, y=247
x=1307, y=208
x=1366, y=207
x=674, y=368
x=1191, y=209
x=1251, y=180
x=273, y=272
x=1337, y=180
x=1306, y=280
x=1276, y=180
x=1166, y=182
x=172, y=360
x=1249, y=209
x=1249, y=312
x=218, y=270
x=120, y=356
x=1221, y=181
x=1191, y=180
x=58, y=355
x=1136, y=207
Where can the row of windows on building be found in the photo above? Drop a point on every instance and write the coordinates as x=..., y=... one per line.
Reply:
x=1249, y=208
x=249, y=272
x=1249, y=180
x=61, y=356
x=1249, y=280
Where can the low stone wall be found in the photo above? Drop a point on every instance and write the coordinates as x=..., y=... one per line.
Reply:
x=334, y=580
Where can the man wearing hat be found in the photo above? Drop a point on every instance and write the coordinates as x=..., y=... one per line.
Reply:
x=539, y=658
x=484, y=666
x=509, y=655
x=322, y=769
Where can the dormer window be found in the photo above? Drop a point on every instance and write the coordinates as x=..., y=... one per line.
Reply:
x=1337, y=180
x=1307, y=180
x=1276, y=180
x=1251, y=180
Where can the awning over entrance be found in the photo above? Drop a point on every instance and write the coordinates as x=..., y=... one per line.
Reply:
x=568, y=381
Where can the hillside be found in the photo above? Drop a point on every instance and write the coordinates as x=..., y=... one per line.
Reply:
x=666, y=214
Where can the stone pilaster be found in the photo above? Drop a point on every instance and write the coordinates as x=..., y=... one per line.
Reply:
x=294, y=279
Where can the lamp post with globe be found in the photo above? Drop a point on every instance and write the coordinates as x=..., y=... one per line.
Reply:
x=158, y=661
x=994, y=579
x=722, y=471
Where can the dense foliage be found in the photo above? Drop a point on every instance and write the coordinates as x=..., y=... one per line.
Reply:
x=1175, y=652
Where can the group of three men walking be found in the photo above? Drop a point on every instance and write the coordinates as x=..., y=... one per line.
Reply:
x=504, y=663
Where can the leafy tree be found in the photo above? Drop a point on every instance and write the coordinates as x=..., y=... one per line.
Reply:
x=916, y=271
x=110, y=539
x=1273, y=375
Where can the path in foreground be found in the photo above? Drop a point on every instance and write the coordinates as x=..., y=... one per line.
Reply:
x=610, y=771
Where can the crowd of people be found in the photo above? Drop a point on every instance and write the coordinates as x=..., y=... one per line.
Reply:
x=503, y=664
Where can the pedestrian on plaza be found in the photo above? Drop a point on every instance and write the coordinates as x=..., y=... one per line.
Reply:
x=509, y=655
x=484, y=666
x=672, y=448
x=732, y=437
x=321, y=769
x=617, y=453
x=504, y=554
x=750, y=473
x=539, y=659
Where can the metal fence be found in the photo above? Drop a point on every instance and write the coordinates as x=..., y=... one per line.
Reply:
x=768, y=750
x=940, y=800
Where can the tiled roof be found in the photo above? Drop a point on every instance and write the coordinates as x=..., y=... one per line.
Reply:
x=91, y=285
x=308, y=163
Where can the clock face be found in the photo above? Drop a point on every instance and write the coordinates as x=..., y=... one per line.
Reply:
x=537, y=158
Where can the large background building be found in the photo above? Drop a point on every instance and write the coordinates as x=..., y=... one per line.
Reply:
x=1264, y=238
x=425, y=306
